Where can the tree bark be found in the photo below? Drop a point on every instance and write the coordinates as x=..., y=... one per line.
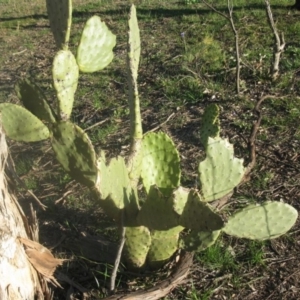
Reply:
x=296, y=5
x=18, y=279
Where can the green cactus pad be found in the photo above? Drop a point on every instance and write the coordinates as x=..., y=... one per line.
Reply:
x=75, y=152
x=136, y=131
x=114, y=188
x=137, y=245
x=220, y=172
x=65, y=75
x=21, y=125
x=60, y=18
x=96, y=44
x=262, y=222
x=199, y=240
x=163, y=245
x=180, y=197
x=160, y=165
x=210, y=126
x=134, y=42
x=198, y=215
x=34, y=100
x=157, y=212
x=113, y=180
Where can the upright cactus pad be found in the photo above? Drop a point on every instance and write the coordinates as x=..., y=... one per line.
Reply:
x=160, y=164
x=198, y=215
x=75, y=152
x=34, y=100
x=157, y=212
x=96, y=44
x=60, y=18
x=199, y=240
x=21, y=125
x=136, y=131
x=210, y=126
x=65, y=75
x=261, y=222
x=137, y=245
x=220, y=172
x=134, y=43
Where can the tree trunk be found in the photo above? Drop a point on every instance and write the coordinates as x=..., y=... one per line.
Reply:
x=296, y=5
x=18, y=279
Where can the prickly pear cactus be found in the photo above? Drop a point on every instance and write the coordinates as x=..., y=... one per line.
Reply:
x=157, y=212
x=210, y=126
x=198, y=215
x=220, y=172
x=199, y=240
x=65, y=75
x=21, y=125
x=75, y=152
x=153, y=226
x=262, y=222
x=163, y=245
x=60, y=18
x=136, y=132
x=113, y=187
x=34, y=100
x=95, y=49
x=138, y=242
x=160, y=164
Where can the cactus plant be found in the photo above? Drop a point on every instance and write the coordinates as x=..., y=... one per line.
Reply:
x=65, y=73
x=261, y=222
x=94, y=52
x=160, y=163
x=60, y=18
x=35, y=101
x=219, y=166
x=74, y=151
x=210, y=124
x=153, y=225
x=21, y=125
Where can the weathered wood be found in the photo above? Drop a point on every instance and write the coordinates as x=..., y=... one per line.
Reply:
x=164, y=287
x=19, y=280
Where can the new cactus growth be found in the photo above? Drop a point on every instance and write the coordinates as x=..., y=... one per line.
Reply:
x=153, y=226
x=210, y=126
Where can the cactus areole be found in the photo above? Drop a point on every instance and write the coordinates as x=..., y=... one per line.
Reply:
x=155, y=223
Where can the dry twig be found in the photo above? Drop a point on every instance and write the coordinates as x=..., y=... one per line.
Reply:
x=118, y=257
x=279, y=42
x=236, y=37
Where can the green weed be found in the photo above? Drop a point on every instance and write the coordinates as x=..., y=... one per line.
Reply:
x=218, y=256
